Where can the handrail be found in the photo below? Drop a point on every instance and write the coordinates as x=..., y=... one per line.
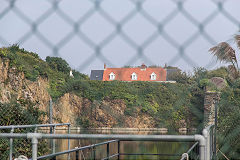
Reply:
x=186, y=155
x=169, y=138
x=194, y=145
x=52, y=128
x=75, y=150
x=35, y=125
x=208, y=128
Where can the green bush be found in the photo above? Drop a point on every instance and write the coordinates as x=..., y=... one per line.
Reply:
x=20, y=113
x=58, y=64
x=164, y=102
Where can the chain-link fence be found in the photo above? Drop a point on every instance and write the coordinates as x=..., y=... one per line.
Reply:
x=90, y=33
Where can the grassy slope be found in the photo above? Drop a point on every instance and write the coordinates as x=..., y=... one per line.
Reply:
x=166, y=103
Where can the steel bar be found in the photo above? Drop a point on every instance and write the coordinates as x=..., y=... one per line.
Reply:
x=77, y=155
x=34, y=148
x=114, y=155
x=193, y=146
x=215, y=131
x=13, y=135
x=119, y=149
x=31, y=126
x=11, y=146
x=151, y=154
x=50, y=111
x=69, y=131
x=76, y=149
x=94, y=153
x=54, y=141
x=107, y=150
x=169, y=138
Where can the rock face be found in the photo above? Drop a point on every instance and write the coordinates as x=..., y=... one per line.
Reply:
x=69, y=107
x=108, y=113
x=14, y=85
x=219, y=82
x=211, y=99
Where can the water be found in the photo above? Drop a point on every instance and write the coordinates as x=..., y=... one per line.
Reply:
x=129, y=147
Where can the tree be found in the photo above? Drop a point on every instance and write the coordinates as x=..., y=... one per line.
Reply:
x=59, y=64
x=229, y=105
x=225, y=53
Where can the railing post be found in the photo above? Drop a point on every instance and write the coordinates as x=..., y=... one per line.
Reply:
x=206, y=134
x=119, y=149
x=202, y=145
x=107, y=151
x=34, y=147
x=69, y=131
x=215, y=131
x=34, y=137
x=50, y=111
x=53, y=143
x=77, y=155
x=94, y=153
x=11, y=146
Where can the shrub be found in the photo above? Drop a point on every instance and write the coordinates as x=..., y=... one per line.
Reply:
x=58, y=64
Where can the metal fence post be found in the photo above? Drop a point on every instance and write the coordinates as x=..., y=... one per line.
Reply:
x=54, y=145
x=34, y=147
x=77, y=155
x=206, y=134
x=119, y=149
x=11, y=146
x=69, y=131
x=94, y=153
x=215, y=132
x=50, y=111
x=107, y=151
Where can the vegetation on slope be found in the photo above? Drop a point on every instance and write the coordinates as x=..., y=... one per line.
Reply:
x=168, y=104
x=20, y=113
x=229, y=108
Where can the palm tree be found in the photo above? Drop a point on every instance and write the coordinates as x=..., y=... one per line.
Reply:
x=225, y=53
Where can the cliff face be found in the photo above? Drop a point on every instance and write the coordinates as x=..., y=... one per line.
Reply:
x=14, y=85
x=69, y=107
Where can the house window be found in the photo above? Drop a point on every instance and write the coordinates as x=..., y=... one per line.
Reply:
x=153, y=76
x=134, y=76
x=111, y=76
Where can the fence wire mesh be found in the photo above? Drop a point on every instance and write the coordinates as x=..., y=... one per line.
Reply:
x=128, y=32
x=92, y=32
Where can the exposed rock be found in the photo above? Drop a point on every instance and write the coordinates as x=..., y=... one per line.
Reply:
x=107, y=113
x=219, y=82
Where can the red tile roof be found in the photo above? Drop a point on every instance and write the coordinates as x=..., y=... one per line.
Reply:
x=143, y=73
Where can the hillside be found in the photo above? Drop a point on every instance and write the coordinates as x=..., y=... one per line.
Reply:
x=28, y=80
x=27, y=83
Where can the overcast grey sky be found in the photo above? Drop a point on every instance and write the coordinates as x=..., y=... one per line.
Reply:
x=155, y=32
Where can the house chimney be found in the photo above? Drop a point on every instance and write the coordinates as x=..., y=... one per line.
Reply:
x=71, y=73
x=105, y=66
x=165, y=66
x=143, y=66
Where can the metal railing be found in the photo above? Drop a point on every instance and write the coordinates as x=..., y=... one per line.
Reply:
x=92, y=147
x=192, y=153
x=210, y=135
x=169, y=138
x=210, y=149
x=35, y=127
x=203, y=148
x=108, y=156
